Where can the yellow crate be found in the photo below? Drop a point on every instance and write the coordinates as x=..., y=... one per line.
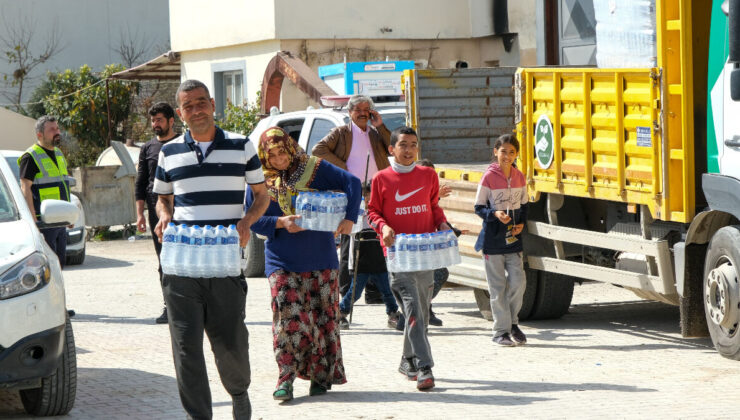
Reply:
x=595, y=115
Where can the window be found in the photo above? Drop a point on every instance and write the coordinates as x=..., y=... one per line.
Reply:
x=293, y=127
x=233, y=87
x=319, y=130
x=229, y=84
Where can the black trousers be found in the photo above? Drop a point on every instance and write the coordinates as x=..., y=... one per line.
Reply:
x=216, y=306
x=345, y=277
x=57, y=240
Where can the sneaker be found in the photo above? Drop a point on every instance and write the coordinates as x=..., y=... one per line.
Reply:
x=162, y=318
x=517, y=335
x=425, y=380
x=433, y=320
x=343, y=323
x=504, y=340
x=401, y=323
x=393, y=319
x=408, y=368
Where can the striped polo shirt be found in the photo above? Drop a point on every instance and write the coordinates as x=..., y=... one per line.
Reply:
x=208, y=189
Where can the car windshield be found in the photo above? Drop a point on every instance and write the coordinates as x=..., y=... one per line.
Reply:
x=8, y=209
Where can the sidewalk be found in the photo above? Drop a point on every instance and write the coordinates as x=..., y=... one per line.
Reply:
x=613, y=356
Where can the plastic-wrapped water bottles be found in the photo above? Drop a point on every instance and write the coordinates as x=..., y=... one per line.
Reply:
x=427, y=251
x=169, y=252
x=233, y=252
x=320, y=211
x=191, y=255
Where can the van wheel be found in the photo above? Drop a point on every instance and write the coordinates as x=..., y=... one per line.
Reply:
x=76, y=259
x=721, y=291
x=56, y=396
x=254, y=257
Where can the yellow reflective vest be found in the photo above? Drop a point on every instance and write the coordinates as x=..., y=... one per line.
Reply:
x=52, y=180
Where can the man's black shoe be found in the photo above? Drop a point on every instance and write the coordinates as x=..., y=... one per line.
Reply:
x=162, y=318
x=71, y=313
x=433, y=320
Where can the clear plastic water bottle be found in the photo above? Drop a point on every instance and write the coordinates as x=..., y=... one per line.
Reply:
x=324, y=222
x=425, y=252
x=183, y=234
x=412, y=249
x=453, y=249
x=207, y=261
x=193, y=253
x=401, y=244
x=233, y=265
x=169, y=243
x=360, y=217
x=391, y=259
x=220, y=253
x=441, y=248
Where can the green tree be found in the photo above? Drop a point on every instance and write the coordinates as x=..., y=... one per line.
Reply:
x=78, y=100
x=240, y=119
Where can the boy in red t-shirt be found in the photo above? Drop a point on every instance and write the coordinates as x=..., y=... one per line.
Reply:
x=405, y=199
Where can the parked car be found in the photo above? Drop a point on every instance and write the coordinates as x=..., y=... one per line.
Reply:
x=76, y=235
x=37, y=349
x=307, y=127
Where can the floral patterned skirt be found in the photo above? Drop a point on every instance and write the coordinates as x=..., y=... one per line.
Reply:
x=305, y=307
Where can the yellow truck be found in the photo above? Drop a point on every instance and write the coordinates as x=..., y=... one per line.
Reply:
x=633, y=173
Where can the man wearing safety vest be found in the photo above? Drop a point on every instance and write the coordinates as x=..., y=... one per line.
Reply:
x=43, y=174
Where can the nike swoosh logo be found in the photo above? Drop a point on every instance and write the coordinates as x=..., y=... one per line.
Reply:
x=405, y=196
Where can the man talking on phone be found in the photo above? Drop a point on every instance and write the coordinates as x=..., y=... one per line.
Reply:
x=348, y=147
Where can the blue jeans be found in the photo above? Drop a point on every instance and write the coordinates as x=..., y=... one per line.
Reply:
x=381, y=282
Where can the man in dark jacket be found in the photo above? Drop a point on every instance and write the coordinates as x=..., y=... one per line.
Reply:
x=163, y=124
x=349, y=147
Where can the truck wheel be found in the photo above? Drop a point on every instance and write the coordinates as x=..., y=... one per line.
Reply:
x=721, y=297
x=56, y=396
x=483, y=298
x=254, y=256
x=554, y=293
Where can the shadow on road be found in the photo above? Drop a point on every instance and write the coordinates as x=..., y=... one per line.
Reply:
x=93, y=262
x=105, y=319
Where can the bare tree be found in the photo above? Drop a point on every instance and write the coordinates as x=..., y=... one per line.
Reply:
x=23, y=55
x=133, y=46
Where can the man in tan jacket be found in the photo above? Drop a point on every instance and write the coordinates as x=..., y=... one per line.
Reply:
x=361, y=148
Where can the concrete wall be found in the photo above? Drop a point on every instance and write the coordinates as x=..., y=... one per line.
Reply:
x=18, y=131
x=253, y=57
x=198, y=24
x=89, y=31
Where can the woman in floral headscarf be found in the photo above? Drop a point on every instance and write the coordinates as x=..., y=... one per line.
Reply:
x=301, y=265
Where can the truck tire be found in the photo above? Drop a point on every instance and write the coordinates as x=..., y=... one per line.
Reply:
x=554, y=293
x=254, y=254
x=483, y=298
x=720, y=289
x=56, y=396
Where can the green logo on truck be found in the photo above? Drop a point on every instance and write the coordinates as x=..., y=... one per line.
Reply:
x=544, y=143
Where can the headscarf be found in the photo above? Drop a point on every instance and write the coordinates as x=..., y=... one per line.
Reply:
x=284, y=185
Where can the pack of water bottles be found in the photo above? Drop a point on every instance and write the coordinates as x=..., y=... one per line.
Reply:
x=427, y=251
x=320, y=211
x=625, y=33
x=192, y=251
x=360, y=218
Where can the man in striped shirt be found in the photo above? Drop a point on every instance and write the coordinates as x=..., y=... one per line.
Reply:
x=200, y=179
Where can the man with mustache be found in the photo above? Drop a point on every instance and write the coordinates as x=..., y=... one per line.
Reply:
x=44, y=176
x=348, y=147
x=163, y=124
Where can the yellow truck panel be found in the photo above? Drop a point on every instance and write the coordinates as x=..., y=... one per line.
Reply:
x=618, y=134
